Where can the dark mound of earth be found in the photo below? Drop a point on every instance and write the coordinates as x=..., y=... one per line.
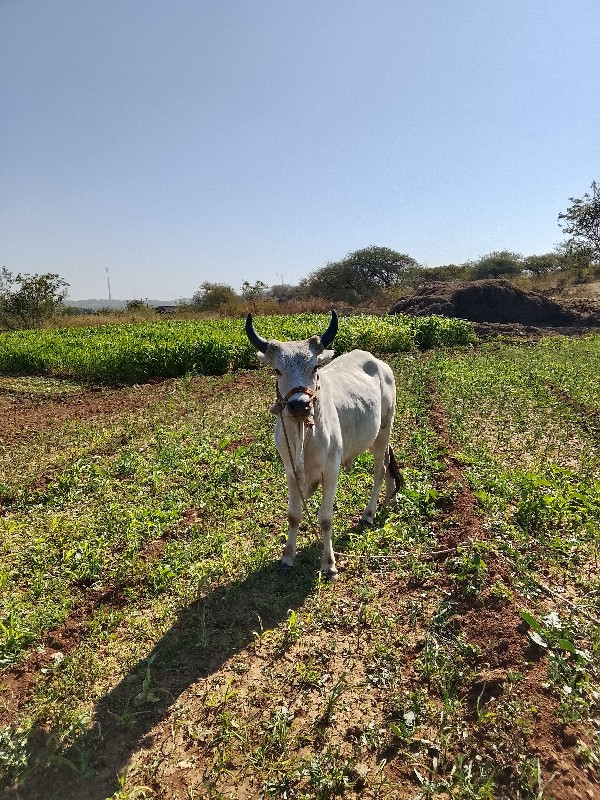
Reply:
x=491, y=301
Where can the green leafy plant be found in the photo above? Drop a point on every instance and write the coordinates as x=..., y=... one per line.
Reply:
x=13, y=637
x=468, y=568
x=126, y=353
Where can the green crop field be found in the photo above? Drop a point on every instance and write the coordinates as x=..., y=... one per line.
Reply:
x=149, y=647
x=136, y=352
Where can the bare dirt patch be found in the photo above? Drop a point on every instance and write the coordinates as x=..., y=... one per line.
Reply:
x=497, y=303
x=580, y=296
x=460, y=520
x=23, y=415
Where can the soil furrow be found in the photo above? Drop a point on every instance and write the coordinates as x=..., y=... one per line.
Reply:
x=494, y=625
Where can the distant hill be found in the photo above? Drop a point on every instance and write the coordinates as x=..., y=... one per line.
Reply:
x=115, y=305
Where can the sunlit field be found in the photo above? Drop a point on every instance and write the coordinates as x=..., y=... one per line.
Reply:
x=149, y=646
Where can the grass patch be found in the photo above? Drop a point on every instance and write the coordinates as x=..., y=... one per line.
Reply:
x=194, y=666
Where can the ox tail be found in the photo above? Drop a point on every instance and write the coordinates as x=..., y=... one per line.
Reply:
x=394, y=471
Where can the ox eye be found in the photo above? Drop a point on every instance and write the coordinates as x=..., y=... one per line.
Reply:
x=276, y=372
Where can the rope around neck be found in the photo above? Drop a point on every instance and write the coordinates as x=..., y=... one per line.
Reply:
x=277, y=409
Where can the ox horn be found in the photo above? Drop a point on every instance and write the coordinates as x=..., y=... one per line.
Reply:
x=255, y=339
x=331, y=331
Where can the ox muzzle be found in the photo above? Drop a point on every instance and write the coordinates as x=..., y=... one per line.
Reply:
x=299, y=402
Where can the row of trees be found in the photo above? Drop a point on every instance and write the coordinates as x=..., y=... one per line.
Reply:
x=212, y=296
x=379, y=271
x=361, y=277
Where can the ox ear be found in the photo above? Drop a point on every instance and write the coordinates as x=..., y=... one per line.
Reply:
x=264, y=359
x=325, y=357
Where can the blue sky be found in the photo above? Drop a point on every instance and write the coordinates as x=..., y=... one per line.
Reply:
x=183, y=141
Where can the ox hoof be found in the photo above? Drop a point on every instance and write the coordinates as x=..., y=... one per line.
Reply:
x=366, y=522
x=329, y=575
x=283, y=567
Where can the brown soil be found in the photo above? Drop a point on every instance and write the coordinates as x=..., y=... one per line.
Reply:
x=499, y=633
x=460, y=521
x=495, y=302
x=587, y=294
x=23, y=416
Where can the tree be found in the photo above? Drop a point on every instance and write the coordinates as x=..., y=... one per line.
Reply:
x=543, y=264
x=136, y=305
x=283, y=292
x=581, y=222
x=499, y=264
x=213, y=296
x=360, y=276
x=445, y=272
x=580, y=263
x=37, y=298
x=253, y=292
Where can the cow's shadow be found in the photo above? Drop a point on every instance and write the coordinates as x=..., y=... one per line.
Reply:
x=206, y=634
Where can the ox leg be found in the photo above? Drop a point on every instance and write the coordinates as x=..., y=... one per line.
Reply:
x=381, y=458
x=294, y=517
x=328, y=567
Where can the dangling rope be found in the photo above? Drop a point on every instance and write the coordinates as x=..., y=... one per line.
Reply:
x=277, y=409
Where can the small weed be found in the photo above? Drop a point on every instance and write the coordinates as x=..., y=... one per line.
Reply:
x=14, y=755
x=501, y=592
x=135, y=793
x=13, y=639
x=333, y=698
x=275, y=732
x=447, y=662
x=383, y=667
x=148, y=693
x=327, y=774
x=308, y=674
x=468, y=569
x=373, y=736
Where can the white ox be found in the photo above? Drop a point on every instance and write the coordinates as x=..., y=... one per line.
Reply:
x=331, y=411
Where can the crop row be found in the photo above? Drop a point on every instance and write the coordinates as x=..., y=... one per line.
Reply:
x=137, y=352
